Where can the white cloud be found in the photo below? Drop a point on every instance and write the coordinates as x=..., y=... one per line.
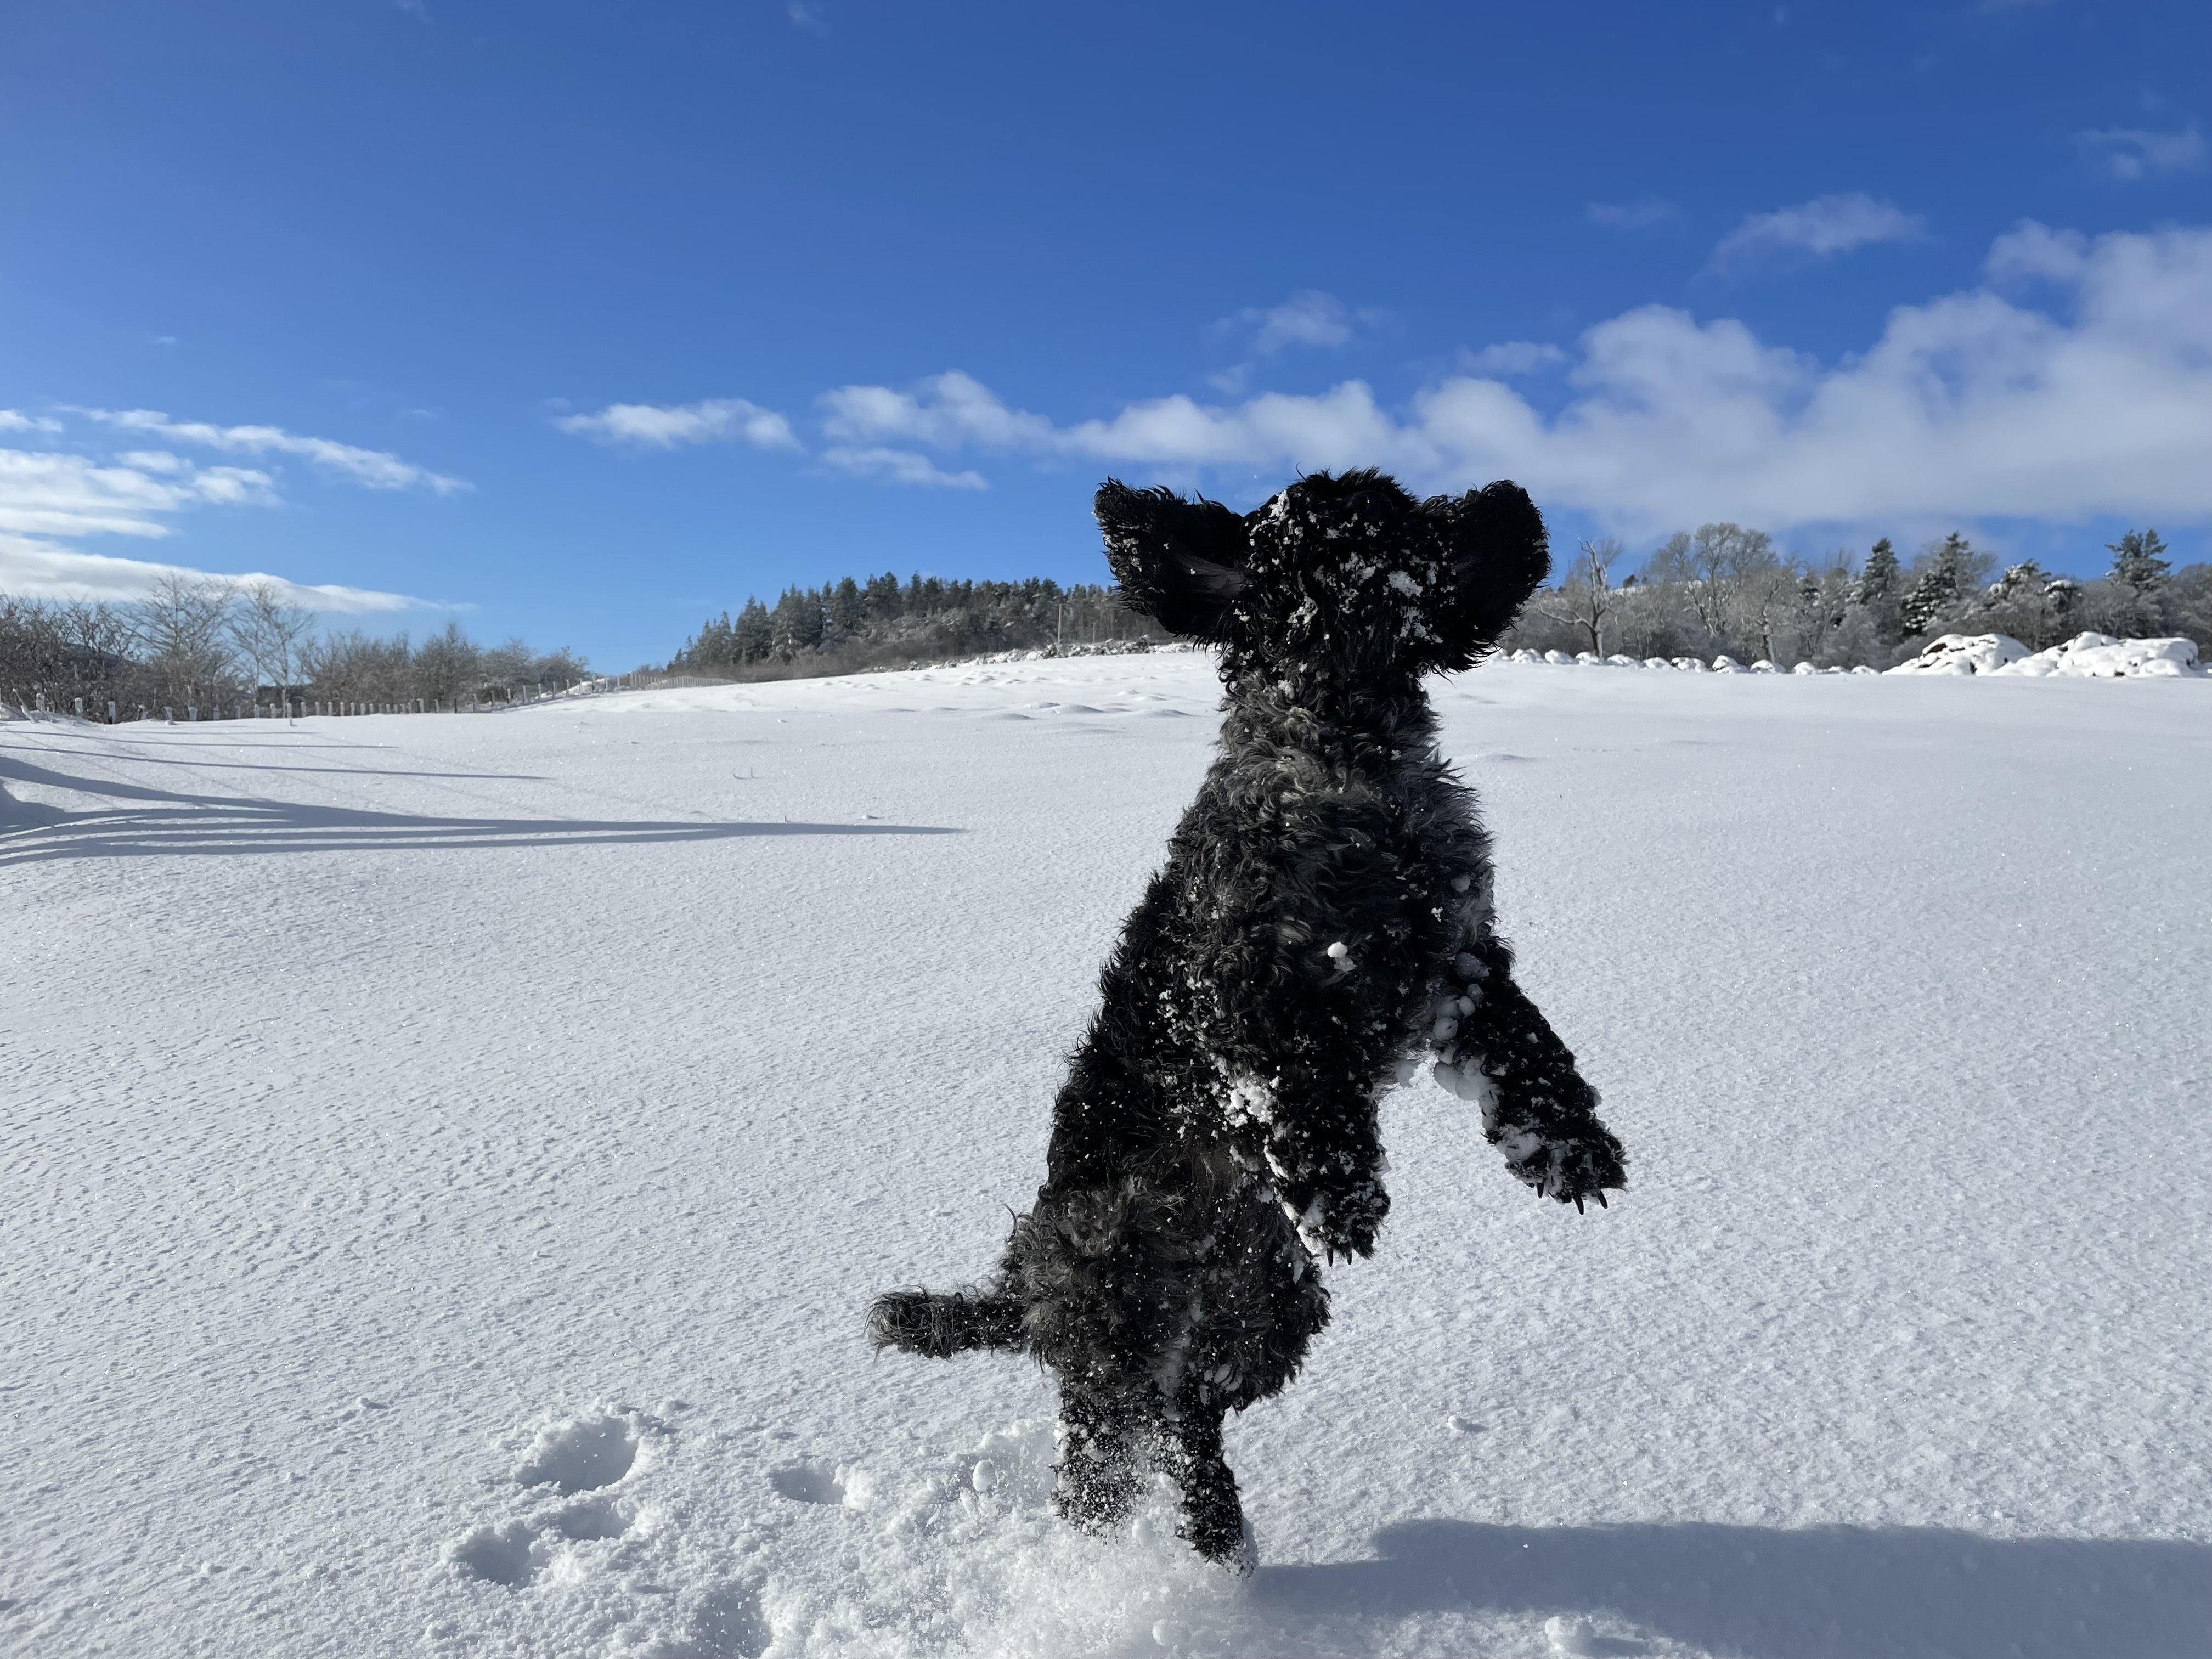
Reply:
x=48, y=493
x=41, y=570
x=1642, y=214
x=373, y=469
x=713, y=419
x=2130, y=153
x=1823, y=226
x=1970, y=406
x=1513, y=357
x=899, y=466
x=16, y=421
x=943, y=412
x=50, y=499
x=1307, y=318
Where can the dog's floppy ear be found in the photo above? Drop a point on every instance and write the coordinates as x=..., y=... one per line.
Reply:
x=1499, y=553
x=1179, y=562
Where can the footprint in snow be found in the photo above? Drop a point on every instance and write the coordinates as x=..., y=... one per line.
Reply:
x=578, y=1458
x=511, y=1555
x=808, y=1483
x=581, y=1455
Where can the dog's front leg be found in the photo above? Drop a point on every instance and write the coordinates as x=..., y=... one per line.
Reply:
x=1496, y=1050
x=1325, y=1159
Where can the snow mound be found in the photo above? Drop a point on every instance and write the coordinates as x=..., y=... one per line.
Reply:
x=1964, y=654
x=2100, y=656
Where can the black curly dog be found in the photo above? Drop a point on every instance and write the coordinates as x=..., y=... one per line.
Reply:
x=1324, y=916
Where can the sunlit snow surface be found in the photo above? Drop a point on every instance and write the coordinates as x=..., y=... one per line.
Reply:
x=446, y=1160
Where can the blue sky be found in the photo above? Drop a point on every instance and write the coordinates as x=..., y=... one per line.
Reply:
x=581, y=320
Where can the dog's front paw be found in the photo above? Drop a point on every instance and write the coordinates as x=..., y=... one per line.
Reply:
x=1342, y=1224
x=1570, y=1171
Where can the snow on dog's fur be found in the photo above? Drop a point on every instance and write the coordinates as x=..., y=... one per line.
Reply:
x=1324, y=916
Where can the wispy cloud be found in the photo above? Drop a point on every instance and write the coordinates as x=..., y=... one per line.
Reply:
x=1824, y=226
x=51, y=499
x=1644, y=213
x=1514, y=357
x=62, y=494
x=373, y=469
x=2131, y=153
x=1968, y=405
x=905, y=466
x=713, y=420
x=40, y=570
x=1307, y=318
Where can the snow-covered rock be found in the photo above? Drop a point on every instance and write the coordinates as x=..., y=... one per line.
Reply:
x=1619, y=661
x=2100, y=656
x=1691, y=665
x=1964, y=654
x=1558, y=657
x=1657, y=662
x=1804, y=668
x=1725, y=664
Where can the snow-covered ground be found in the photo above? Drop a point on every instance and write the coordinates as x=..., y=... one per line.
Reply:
x=446, y=1160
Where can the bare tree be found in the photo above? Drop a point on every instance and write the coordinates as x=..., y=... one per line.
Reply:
x=1765, y=601
x=1585, y=598
x=274, y=633
x=182, y=628
x=446, y=666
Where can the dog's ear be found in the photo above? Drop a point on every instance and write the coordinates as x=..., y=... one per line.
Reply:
x=1499, y=552
x=1181, y=562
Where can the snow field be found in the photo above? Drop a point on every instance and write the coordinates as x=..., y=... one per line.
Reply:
x=447, y=1159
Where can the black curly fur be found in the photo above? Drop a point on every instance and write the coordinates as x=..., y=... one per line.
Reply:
x=1324, y=915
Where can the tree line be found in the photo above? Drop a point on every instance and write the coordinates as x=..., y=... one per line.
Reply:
x=848, y=626
x=206, y=643
x=1725, y=589
x=1719, y=589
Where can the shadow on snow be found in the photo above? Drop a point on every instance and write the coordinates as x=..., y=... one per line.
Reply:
x=160, y=821
x=1818, y=1593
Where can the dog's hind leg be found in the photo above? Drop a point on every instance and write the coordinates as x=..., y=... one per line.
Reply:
x=1099, y=1433
x=1214, y=1519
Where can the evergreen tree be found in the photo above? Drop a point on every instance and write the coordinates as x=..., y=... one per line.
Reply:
x=2137, y=565
x=1878, y=576
x=882, y=598
x=1932, y=594
x=754, y=632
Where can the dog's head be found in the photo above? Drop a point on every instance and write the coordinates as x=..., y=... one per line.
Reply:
x=1347, y=574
